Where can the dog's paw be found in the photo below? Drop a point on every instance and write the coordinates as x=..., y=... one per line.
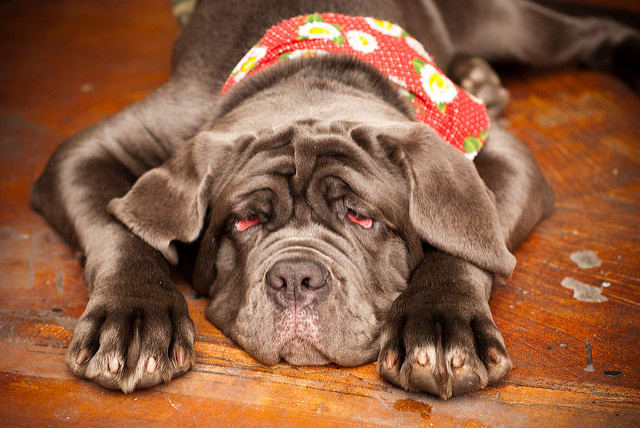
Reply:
x=476, y=76
x=442, y=352
x=130, y=343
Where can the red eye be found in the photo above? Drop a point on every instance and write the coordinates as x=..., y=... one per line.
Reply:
x=242, y=225
x=366, y=222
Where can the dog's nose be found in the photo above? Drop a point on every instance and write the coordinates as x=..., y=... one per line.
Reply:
x=299, y=282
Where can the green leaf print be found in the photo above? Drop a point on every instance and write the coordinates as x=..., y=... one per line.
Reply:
x=472, y=144
x=418, y=65
x=442, y=107
x=483, y=135
x=313, y=18
x=338, y=27
x=301, y=38
x=338, y=41
x=284, y=55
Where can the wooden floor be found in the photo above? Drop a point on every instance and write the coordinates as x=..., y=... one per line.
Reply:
x=66, y=64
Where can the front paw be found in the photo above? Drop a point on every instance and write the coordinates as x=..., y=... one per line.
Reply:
x=445, y=351
x=127, y=343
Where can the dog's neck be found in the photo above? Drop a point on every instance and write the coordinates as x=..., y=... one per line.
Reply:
x=326, y=88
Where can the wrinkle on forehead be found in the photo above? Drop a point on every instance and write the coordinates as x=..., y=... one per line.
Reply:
x=305, y=152
x=293, y=150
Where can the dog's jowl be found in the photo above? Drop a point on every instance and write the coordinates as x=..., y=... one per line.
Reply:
x=321, y=178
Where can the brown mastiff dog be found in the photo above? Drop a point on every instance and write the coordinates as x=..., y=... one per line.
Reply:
x=323, y=221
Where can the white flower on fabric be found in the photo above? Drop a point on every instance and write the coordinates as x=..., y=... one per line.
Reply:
x=318, y=30
x=361, y=41
x=250, y=60
x=471, y=156
x=437, y=86
x=417, y=46
x=385, y=27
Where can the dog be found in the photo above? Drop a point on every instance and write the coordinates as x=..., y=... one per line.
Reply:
x=325, y=223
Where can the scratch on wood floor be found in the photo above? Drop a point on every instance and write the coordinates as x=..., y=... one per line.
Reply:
x=587, y=347
x=171, y=402
x=60, y=282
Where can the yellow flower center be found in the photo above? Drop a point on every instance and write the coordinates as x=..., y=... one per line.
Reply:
x=364, y=41
x=249, y=64
x=438, y=82
x=384, y=24
x=318, y=30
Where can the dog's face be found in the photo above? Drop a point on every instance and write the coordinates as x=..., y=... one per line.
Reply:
x=307, y=244
x=310, y=231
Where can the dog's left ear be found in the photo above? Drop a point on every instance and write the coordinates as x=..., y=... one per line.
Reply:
x=450, y=206
x=169, y=203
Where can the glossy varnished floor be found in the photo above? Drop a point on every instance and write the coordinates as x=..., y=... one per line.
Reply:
x=66, y=64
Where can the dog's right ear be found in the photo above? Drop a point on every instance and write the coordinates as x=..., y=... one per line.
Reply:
x=169, y=202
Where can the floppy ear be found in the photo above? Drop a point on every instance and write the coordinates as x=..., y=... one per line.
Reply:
x=169, y=202
x=450, y=206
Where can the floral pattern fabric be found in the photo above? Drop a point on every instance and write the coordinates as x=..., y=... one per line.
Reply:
x=458, y=117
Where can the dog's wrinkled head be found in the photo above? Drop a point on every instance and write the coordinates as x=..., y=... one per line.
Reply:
x=310, y=231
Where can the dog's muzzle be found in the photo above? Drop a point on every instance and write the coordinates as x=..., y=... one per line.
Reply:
x=297, y=282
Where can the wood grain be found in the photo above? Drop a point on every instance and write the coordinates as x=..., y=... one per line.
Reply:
x=67, y=64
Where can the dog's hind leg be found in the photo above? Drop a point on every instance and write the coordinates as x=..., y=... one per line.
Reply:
x=477, y=77
x=464, y=36
x=526, y=32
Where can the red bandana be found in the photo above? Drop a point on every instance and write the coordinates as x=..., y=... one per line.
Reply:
x=458, y=117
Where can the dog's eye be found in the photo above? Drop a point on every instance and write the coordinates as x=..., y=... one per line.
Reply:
x=366, y=222
x=242, y=225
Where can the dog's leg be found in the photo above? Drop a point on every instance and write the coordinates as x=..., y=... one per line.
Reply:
x=523, y=196
x=526, y=32
x=136, y=330
x=463, y=35
x=440, y=336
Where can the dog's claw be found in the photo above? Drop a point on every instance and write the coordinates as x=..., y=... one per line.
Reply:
x=114, y=365
x=82, y=356
x=422, y=357
x=457, y=361
x=181, y=356
x=151, y=365
x=390, y=361
x=495, y=357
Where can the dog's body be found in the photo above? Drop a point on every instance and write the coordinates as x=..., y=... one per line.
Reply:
x=325, y=224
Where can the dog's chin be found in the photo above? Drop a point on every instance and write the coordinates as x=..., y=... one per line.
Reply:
x=302, y=353
x=297, y=337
